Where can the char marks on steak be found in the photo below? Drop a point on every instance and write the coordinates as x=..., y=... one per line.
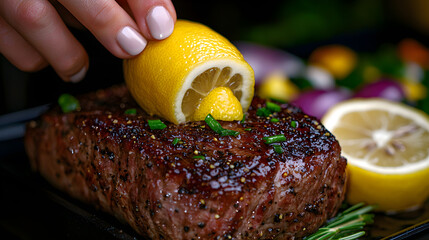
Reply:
x=204, y=187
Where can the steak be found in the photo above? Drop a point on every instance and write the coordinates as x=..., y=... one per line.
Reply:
x=187, y=181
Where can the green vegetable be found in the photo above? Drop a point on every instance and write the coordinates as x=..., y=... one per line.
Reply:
x=346, y=225
x=199, y=157
x=156, y=124
x=175, y=141
x=263, y=112
x=274, y=139
x=274, y=120
x=273, y=107
x=215, y=126
x=68, y=103
x=131, y=111
x=278, y=149
x=294, y=124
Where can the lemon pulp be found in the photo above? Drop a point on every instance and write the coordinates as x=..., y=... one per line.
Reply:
x=221, y=104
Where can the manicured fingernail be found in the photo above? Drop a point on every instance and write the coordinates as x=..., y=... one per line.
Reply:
x=160, y=22
x=78, y=76
x=131, y=41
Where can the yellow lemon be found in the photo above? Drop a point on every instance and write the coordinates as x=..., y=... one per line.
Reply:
x=221, y=104
x=170, y=78
x=279, y=87
x=337, y=59
x=387, y=147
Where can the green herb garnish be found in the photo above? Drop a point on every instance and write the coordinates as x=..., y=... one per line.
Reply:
x=68, y=103
x=274, y=120
x=215, y=126
x=199, y=157
x=346, y=225
x=274, y=139
x=156, y=124
x=175, y=141
x=278, y=148
x=131, y=111
x=294, y=124
x=273, y=107
x=263, y=112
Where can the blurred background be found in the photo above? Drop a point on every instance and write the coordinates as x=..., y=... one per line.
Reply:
x=367, y=27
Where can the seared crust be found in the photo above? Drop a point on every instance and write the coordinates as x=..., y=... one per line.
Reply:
x=240, y=189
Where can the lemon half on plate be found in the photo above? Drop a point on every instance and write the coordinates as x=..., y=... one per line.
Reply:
x=387, y=147
x=170, y=78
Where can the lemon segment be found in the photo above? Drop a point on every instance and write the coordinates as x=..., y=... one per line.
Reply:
x=171, y=77
x=221, y=104
x=387, y=148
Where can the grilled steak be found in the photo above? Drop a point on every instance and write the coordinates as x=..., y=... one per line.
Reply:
x=203, y=186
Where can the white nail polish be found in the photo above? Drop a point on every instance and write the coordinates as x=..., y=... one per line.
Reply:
x=160, y=22
x=131, y=41
x=77, y=77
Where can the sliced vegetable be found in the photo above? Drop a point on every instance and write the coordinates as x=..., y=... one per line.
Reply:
x=68, y=103
x=156, y=124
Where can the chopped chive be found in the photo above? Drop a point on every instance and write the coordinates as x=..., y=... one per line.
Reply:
x=131, y=111
x=263, y=112
x=199, y=157
x=228, y=132
x=244, y=118
x=175, y=141
x=274, y=120
x=278, y=148
x=215, y=126
x=247, y=129
x=273, y=107
x=274, y=139
x=294, y=124
x=68, y=103
x=156, y=124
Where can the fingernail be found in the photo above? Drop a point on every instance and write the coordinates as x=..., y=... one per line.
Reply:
x=131, y=41
x=160, y=22
x=78, y=76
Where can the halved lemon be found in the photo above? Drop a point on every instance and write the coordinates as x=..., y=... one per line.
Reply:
x=170, y=78
x=387, y=147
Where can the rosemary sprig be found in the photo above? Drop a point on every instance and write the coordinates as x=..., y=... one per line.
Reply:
x=347, y=225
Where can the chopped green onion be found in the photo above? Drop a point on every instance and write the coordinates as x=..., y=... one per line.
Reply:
x=131, y=111
x=244, y=118
x=274, y=139
x=294, y=124
x=176, y=141
x=68, y=103
x=278, y=148
x=199, y=157
x=274, y=120
x=273, y=107
x=215, y=126
x=263, y=112
x=228, y=132
x=247, y=129
x=156, y=124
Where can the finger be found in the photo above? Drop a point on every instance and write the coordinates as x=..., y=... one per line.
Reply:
x=110, y=24
x=155, y=18
x=39, y=23
x=18, y=51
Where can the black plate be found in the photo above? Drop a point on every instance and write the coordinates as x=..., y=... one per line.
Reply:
x=32, y=209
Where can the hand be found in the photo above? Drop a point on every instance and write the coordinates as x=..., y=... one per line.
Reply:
x=33, y=35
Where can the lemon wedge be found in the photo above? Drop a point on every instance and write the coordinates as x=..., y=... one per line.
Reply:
x=387, y=147
x=170, y=78
x=221, y=104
